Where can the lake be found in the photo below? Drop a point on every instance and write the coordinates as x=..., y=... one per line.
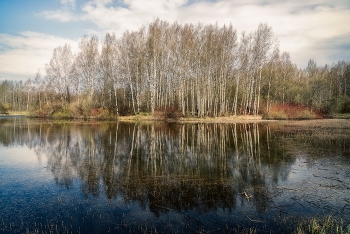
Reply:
x=98, y=177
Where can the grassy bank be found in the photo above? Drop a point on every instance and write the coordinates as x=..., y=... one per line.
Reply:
x=16, y=113
x=277, y=112
x=144, y=117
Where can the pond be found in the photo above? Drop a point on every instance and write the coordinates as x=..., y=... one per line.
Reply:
x=98, y=177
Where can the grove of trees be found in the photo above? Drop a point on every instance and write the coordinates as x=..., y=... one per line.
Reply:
x=193, y=69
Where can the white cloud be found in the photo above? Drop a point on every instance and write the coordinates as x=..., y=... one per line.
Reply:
x=68, y=3
x=303, y=33
x=297, y=24
x=64, y=14
x=22, y=55
x=137, y=13
x=61, y=15
x=301, y=26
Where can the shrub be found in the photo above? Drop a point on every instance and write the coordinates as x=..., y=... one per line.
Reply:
x=168, y=113
x=274, y=114
x=39, y=113
x=105, y=114
x=339, y=105
x=63, y=113
x=4, y=108
x=77, y=110
x=125, y=110
x=94, y=112
x=290, y=111
x=47, y=110
x=306, y=115
x=346, y=107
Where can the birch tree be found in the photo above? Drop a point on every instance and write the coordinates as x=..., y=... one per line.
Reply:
x=87, y=63
x=59, y=72
x=108, y=71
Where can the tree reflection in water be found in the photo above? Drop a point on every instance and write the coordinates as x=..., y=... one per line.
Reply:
x=162, y=166
x=198, y=167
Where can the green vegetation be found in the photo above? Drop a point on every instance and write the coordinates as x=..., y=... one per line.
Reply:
x=4, y=108
x=326, y=225
x=341, y=116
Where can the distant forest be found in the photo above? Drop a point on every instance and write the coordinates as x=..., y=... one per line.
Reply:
x=191, y=69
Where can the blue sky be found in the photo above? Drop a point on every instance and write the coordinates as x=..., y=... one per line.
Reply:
x=31, y=29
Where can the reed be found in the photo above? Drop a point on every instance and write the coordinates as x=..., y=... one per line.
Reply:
x=323, y=225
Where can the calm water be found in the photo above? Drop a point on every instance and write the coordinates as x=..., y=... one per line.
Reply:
x=80, y=177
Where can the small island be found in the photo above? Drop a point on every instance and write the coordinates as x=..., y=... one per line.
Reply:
x=172, y=71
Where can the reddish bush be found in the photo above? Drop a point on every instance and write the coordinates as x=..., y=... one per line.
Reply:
x=94, y=112
x=292, y=111
x=168, y=113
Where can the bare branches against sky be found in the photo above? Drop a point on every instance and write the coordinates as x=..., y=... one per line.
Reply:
x=30, y=30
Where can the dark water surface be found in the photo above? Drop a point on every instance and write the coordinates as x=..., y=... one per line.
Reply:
x=81, y=177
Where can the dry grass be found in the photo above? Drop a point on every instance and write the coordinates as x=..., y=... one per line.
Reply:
x=318, y=123
x=223, y=119
x=311, y=123
x=137, y=118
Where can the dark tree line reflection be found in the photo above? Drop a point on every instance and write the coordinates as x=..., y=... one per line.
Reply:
x=162, y=166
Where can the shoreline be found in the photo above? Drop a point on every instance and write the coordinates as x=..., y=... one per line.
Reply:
x=12, y=115
x=307, y=123
x=223, y=119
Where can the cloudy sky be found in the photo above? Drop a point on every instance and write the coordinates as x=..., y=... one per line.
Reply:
x=30, y=30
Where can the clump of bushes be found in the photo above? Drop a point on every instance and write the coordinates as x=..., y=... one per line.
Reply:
x=276, y=114
x=104, y=114
x=289, y=111
x=73, y=110
x=168, y=113
x=46, y=110
x=4, y=108
x=306, y=114
x=63, y=113
x=339, y=105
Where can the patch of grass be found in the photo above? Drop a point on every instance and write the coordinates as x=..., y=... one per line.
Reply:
x=341, y=116
x=19, y=113
x=324, y=225
x=144, y=114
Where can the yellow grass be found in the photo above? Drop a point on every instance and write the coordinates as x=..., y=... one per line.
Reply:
x=223, y=119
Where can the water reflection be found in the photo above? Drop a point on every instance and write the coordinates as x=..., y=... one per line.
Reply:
x=170, y=167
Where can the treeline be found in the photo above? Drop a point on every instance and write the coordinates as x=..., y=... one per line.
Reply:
x=194, y=70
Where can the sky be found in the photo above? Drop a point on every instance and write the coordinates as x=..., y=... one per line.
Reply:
x=31, y=29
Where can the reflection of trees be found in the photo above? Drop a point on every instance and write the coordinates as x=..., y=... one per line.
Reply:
x=162, y=166
x=198, y=166
x=12, y=130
